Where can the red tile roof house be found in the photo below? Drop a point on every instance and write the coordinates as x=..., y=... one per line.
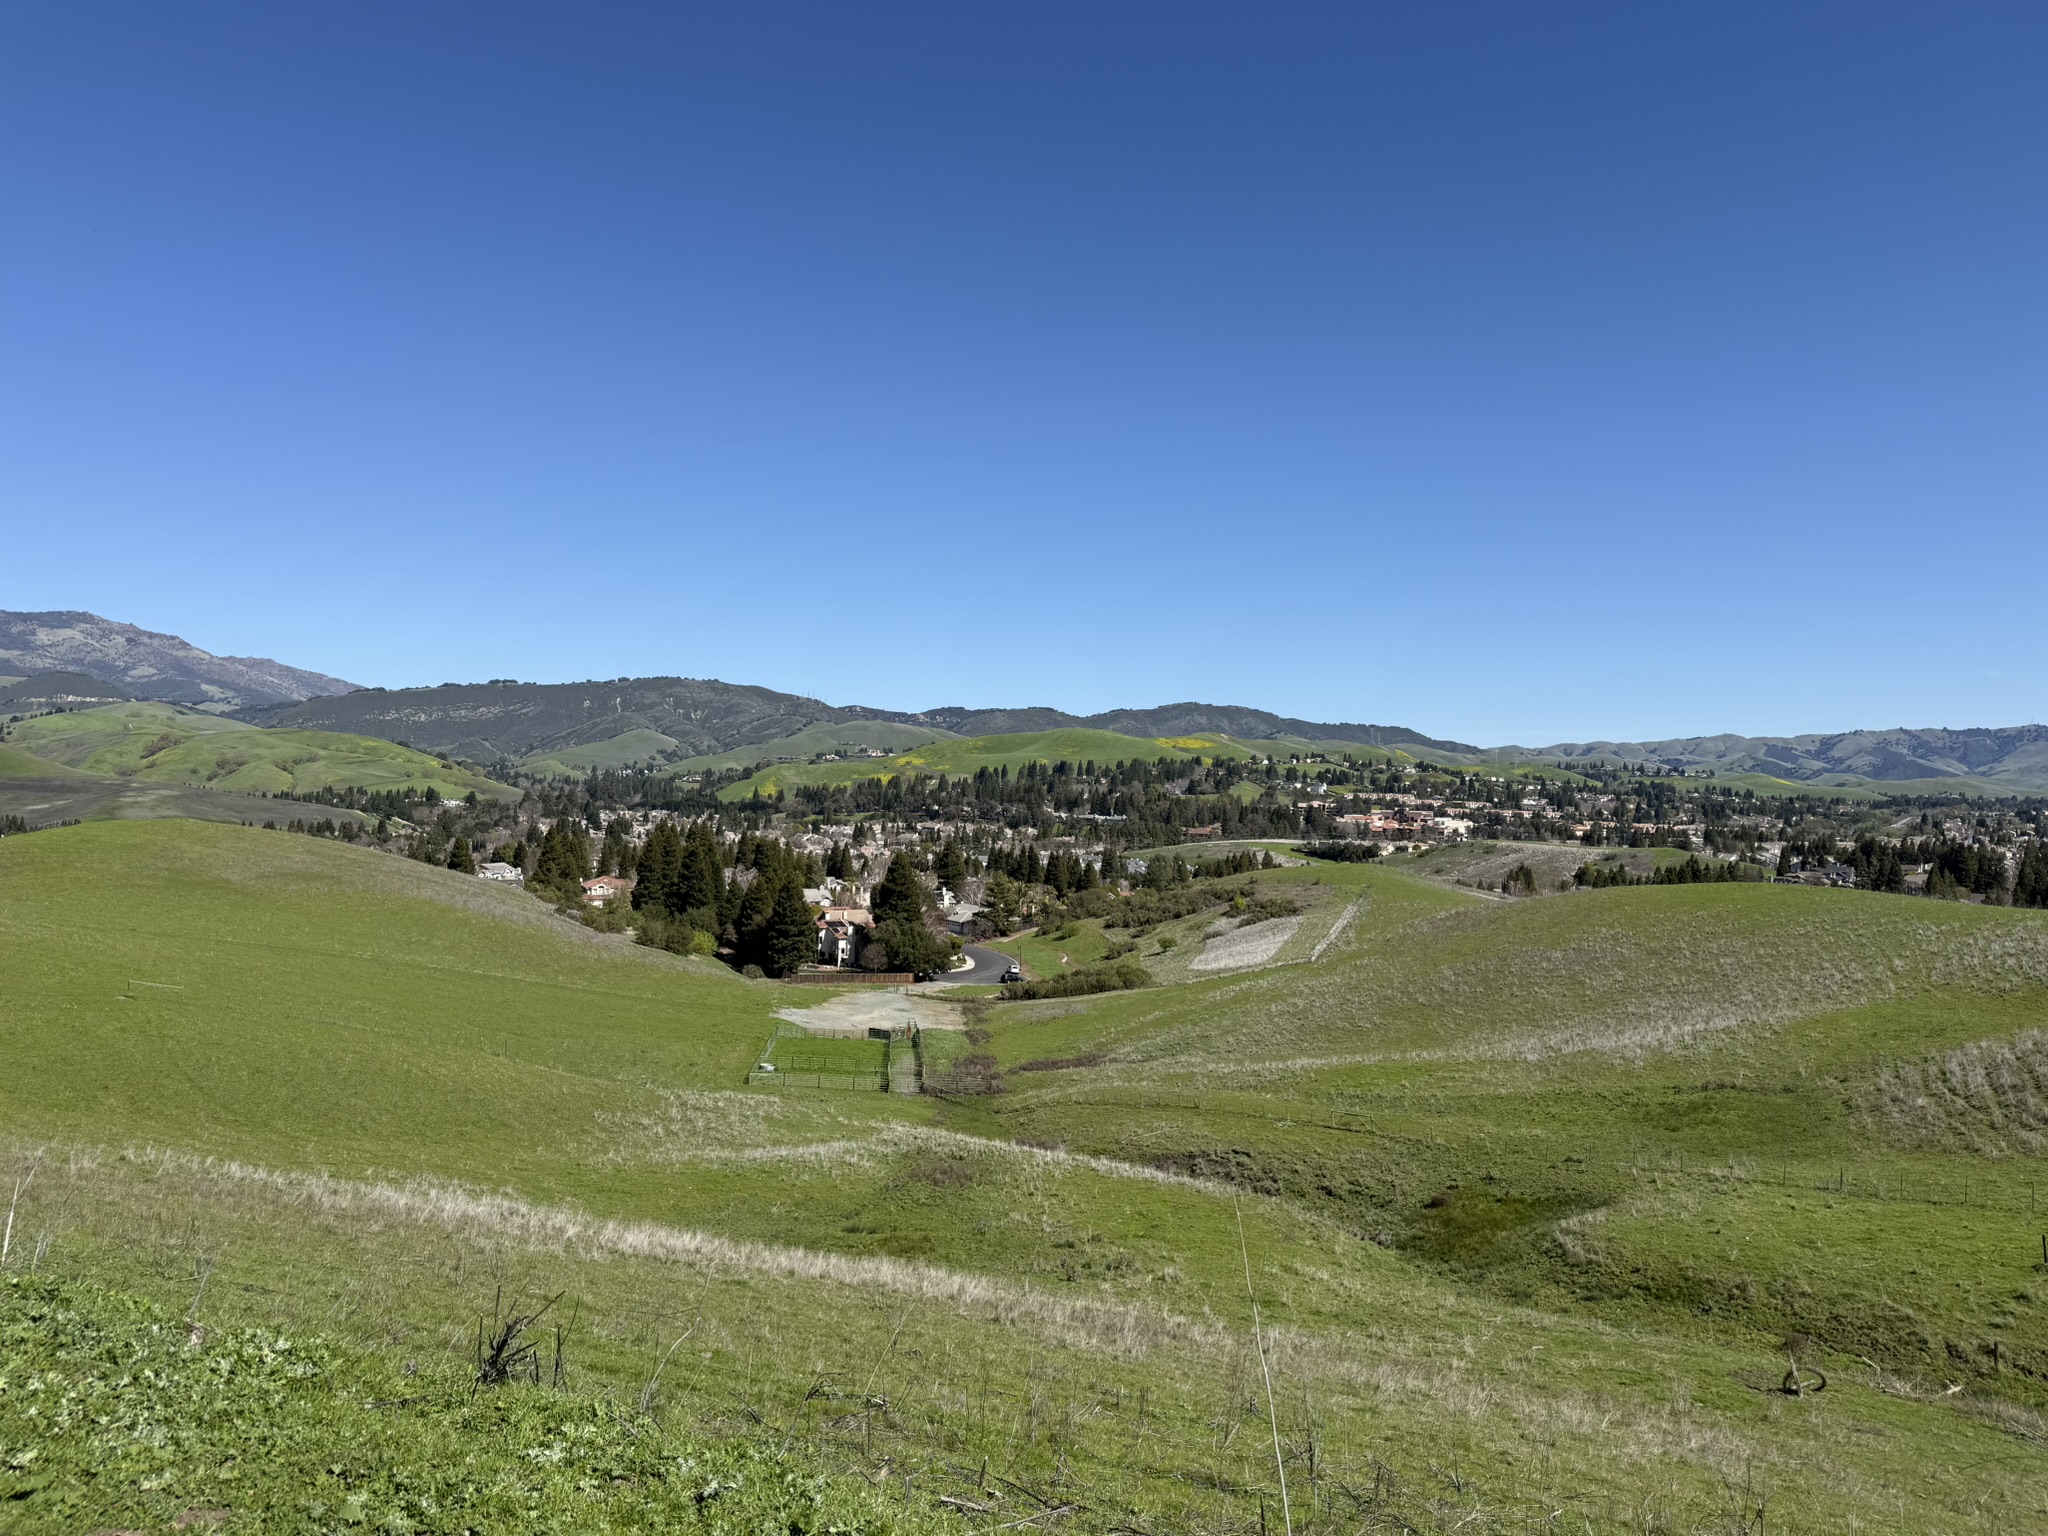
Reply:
x=606, y=888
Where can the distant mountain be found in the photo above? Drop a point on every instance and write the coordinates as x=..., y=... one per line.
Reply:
x=676, y=717
x=2013, y=758
x=682, y=717
x=152, y=666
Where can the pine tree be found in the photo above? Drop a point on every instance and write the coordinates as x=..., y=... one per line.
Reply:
x=757, y=904
x=460, y=858
x=2030, y=884
x=658, y=863
x=901, y=895
x=564, y=861
x=789, y=937
x=698, y=877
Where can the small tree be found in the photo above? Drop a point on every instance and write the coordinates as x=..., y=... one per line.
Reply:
x=460, y=858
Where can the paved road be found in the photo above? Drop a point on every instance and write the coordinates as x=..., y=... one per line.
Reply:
x=989, y=965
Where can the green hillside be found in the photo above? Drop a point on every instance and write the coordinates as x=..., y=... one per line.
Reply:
x=885, y=735
x=967, y=754
x=161, y=744
x=640, y=747
x=1533, y=1193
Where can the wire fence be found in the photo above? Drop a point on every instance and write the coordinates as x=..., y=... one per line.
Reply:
x=784, y=1062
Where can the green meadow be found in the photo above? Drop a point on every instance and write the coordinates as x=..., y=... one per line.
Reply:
x=1540, y=1201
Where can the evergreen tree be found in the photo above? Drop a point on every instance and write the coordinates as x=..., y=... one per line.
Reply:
x=460, y=858
x=901, y=895
x=2030, y=885
x=789, y=936
x=564, y=862
x=912, y=947
x=950, y=867
x=750, y=922
x=698, y=878
x=659, y=861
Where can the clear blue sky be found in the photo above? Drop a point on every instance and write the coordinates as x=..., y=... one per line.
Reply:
x=1511, y=371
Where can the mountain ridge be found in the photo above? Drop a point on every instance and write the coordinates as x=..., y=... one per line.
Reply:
x=1991, y=753
x=667, y=719
x=152, y=665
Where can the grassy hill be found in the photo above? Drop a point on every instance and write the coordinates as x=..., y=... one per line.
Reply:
x=967, y=754
x=648, y=746
x=1532, y=1193
x=161, y=744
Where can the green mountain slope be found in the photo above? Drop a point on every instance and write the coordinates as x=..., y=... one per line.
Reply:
x=648, y=746
x=152, y=743
x=1532, y=1194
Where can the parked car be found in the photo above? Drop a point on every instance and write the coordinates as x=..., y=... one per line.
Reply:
x=1013, y=974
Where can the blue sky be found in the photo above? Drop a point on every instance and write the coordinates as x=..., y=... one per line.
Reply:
x=1513, y=372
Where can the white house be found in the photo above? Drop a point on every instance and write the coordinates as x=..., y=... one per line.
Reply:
x=842, y=931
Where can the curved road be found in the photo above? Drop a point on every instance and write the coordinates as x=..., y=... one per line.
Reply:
x=989, y=965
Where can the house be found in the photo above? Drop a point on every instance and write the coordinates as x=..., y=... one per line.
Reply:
x=497, y=871
x=842, y=934
x=606, y=888
x=960, y=918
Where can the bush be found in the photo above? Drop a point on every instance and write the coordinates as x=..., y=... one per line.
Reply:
x=677, y=936
x=1118, y=976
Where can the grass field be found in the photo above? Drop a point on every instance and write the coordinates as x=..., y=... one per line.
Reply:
x=145, y=743
x=1533, y=1193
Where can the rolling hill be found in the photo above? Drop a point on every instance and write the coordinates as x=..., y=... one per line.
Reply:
x=2004, y=760
x=149, y=665
x=145, y=744
x=705, y=723
x=1541, y=1201
x=966, y=755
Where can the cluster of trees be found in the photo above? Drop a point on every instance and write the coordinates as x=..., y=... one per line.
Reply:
x=1692, y=870
x=902, y=939
x=687, y=901
x=1343, y=852
x=1112, y=976
x=1136, y=804
x=1954, y=868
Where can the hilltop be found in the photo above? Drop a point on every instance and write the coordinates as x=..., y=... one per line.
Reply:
x=149, y=665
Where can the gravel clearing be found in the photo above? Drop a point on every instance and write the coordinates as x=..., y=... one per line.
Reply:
x=855, y=1013
x=1245, y=946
